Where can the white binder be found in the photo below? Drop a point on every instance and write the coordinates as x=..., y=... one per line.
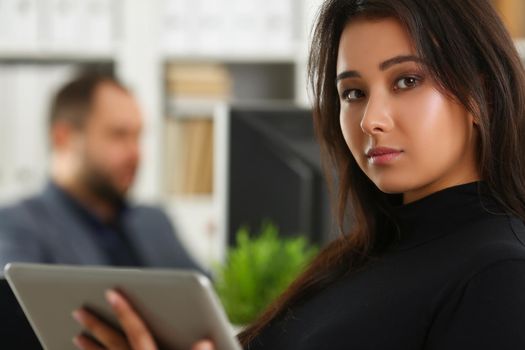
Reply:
x=98, y=21
x=19, y=25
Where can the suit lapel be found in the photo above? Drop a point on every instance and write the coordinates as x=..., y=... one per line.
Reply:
x=74, y=232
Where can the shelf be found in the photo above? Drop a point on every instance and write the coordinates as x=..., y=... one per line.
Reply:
x=192, y=107
x=195, y=108
x=52, y=56
x=249, y=57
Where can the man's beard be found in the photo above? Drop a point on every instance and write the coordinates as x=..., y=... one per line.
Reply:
x=99, y=185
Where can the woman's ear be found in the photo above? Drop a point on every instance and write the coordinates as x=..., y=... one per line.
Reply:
x=474, y=120
x=474, y=112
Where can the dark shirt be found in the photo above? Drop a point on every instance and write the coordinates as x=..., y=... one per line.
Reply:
x=111, y=237
x=454, y=280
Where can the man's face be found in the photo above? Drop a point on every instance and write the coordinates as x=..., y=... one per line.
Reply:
x=109, y=151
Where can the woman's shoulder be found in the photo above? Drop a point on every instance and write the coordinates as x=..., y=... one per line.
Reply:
x=494, y=241
x=500, y=233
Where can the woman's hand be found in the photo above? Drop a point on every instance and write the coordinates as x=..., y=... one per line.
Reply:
x=136, y=334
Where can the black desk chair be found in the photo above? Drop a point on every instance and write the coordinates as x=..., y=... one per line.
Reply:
x=15, y=331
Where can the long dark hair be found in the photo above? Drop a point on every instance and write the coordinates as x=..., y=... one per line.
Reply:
x=473, y=59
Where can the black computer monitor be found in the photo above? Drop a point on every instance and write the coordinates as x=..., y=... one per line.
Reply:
x=275, y=173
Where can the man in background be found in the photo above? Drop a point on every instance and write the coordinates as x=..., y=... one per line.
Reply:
x=83, y=216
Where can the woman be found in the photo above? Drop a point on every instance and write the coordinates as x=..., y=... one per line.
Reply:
x=420, y=107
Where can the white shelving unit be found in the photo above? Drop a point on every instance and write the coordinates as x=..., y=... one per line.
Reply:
x=202, y=218
x=138, y=50
x=43, y=56
x=42, y=43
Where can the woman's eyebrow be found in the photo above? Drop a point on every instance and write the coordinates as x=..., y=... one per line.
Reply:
x=397, y=60
x=382, y=66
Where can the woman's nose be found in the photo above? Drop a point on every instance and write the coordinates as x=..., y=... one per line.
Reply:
x=377, y=116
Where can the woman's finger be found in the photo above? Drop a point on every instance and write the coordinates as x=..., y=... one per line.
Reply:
x=84, y=343
x=104, y=333
x=138, y=334
x=203, y=345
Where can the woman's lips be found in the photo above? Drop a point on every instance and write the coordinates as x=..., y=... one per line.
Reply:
x=382, y=155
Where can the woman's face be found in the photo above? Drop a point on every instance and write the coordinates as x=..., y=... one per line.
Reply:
x=406, y=136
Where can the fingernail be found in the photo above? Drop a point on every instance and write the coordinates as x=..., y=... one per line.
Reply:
x=204, y=346
x=112, y=297
x=76, y=341
x=77, y=315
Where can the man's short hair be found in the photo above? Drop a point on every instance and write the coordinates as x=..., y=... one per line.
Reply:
x=73, y=102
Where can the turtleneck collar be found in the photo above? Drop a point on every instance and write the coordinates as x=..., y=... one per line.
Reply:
x=443, y=212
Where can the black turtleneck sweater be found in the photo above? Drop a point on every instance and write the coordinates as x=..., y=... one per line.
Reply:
x=454, y=280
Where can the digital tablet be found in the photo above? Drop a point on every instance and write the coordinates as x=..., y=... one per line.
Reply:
x=179, y=306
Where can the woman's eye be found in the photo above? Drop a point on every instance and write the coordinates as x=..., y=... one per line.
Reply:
x=406, y=83
x=352, y=94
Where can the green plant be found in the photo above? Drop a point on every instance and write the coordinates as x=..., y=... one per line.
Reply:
x=258, y=269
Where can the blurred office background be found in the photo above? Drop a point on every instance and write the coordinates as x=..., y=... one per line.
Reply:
x=186, y=61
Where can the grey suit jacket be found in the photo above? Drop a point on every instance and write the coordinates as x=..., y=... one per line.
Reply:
x=45, y=229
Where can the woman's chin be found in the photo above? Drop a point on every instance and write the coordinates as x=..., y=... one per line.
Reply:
x=392, y=186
